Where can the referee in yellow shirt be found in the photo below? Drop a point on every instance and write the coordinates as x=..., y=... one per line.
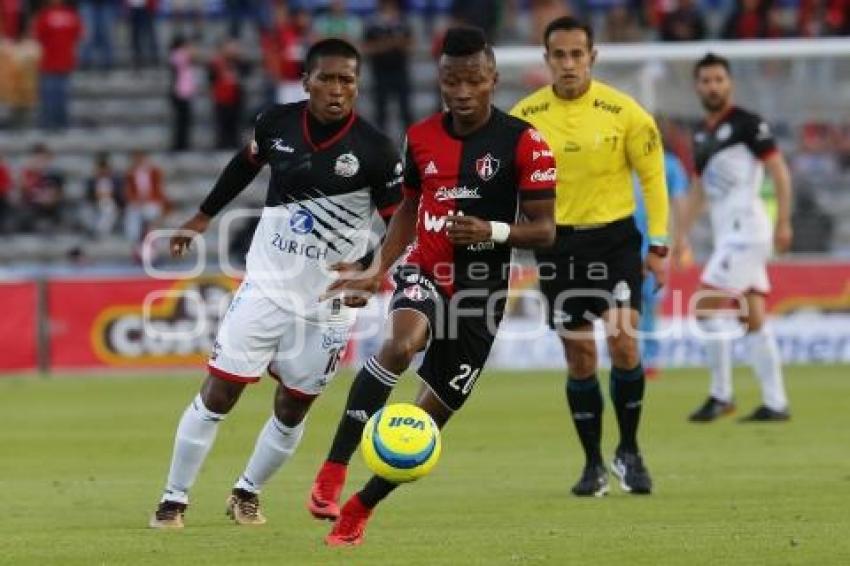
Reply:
x=599, y=137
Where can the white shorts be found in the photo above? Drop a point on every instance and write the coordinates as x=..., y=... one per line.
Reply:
x=257, y=335
x=738, y=267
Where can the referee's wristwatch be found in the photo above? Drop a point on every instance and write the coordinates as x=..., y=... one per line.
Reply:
x=659, y=248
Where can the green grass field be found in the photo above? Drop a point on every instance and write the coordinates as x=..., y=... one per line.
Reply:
x=83, y=460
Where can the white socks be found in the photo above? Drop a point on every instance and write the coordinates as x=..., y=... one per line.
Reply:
x=275, y=444
x=718, y=353
x=767, y=365
x=195, y=436
x=764, y=358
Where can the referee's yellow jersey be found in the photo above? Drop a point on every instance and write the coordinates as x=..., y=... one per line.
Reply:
x=597, y=140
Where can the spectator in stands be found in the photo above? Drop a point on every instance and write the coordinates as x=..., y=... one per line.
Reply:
x=485, y=14
x=226, y=71
x=543, y=12
x=621, y=25
x=387, y=42
x=103, y=198
x=684, y=23
x=814, y=161
x=751, y=19
x=283, y=54
x=183, y=90
x=98, y=20
x=337, y=22
x=5, y=196
x=142, y=33
x=188, y=17
x=10, y=19
x=42, y=192
x=813, y=228
x=19, y=78
x=58, y=29
x=824, y=17
x=237, y=11
x=145, y=197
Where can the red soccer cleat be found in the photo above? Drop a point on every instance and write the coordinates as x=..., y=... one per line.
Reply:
x=324, y=497
x=351, y=524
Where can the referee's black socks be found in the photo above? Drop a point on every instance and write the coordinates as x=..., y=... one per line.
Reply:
x=627, y=396
x=585, y=400
x=369, y=392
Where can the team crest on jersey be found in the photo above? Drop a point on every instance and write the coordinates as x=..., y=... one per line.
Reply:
x=487, y=166
x=724, y=131
x=347, y=165
x=415, y=293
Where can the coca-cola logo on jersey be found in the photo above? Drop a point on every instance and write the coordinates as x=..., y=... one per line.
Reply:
x=543, y=175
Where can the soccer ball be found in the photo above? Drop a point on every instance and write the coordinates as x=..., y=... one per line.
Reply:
x=401, y=443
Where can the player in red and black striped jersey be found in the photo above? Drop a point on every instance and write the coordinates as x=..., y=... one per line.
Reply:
x=469, y=174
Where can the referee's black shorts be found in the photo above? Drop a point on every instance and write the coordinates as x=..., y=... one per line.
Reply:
x=589, y=270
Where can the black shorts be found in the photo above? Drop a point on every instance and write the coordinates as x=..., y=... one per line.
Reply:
x=590, y=270
x=461, y=334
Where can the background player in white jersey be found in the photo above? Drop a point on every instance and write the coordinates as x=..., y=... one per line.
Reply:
x=732, y=149
x=330, y=171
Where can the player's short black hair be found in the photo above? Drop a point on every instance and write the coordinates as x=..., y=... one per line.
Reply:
x=710, y=60
x=567, y=23
x=463, y=41
x=331, y=47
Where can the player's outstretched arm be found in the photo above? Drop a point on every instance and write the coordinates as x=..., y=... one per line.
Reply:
x=357, y=286
x=778, y=171
x=236, y=176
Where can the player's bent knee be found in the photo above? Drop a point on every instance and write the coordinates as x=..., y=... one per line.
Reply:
x=290, y=409
x=219, y=395
x=397, y=354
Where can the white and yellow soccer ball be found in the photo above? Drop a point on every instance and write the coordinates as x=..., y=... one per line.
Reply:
x=401, y=443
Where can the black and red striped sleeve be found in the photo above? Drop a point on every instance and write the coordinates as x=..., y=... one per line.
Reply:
x=535, y=166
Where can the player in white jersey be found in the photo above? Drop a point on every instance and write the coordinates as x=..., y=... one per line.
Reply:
x=330, y=172
x=732, y=149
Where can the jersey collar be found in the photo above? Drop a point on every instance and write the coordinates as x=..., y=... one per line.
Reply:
x=712, y=125
x=305, y=130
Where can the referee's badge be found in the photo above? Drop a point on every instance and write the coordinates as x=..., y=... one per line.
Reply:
x=487, y=167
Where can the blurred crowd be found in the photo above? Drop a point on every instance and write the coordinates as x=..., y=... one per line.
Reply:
x=258, y=46
x=43, y=42
x=129, y=203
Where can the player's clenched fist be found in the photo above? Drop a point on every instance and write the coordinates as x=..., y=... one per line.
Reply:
x=465, y=230
x=184, y=235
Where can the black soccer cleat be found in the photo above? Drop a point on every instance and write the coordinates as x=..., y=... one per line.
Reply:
x=633, y=475
x=711, y=410
x=593, y=482
x=763, y=414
